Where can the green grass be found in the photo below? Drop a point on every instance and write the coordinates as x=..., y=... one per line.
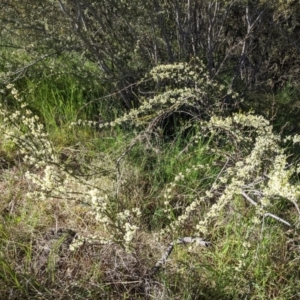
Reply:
x=232, y=270
x=157, y=165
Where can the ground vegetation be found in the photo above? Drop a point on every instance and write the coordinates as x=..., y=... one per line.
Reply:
x=149, y=149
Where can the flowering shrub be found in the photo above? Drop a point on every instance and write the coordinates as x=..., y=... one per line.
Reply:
x=184, y=87
x=255, y=167
x=254, y=164
x=51, y=178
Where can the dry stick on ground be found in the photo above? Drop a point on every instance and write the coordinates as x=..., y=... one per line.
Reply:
x=148, y=277
x=167, y=253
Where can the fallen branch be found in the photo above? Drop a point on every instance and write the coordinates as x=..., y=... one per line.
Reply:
x=167, y=253
x=266, y=214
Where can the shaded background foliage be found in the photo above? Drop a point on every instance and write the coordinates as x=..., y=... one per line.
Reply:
x=251, y=46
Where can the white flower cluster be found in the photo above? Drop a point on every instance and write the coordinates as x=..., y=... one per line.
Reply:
x=86, y=239
x=26, y=131
x=121, y=225
x=181, y=73
x=49, y=183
